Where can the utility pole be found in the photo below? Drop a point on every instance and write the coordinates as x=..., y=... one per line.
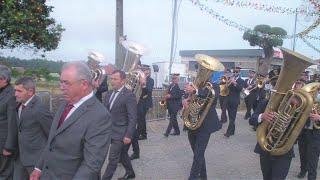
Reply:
x=295, y=30
x=173, y=35
x=119, y=55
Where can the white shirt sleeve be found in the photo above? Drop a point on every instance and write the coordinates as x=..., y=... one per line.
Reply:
x=259, y=118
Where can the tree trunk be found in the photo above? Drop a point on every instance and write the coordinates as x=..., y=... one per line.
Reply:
x=265, y=64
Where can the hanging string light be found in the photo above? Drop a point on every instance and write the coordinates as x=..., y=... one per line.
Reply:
x=240, y=27
x=310, y=45
x=265, y=7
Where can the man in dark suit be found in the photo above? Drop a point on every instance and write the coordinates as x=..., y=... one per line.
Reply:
x=8, y=130
x=33, y=123
x=250, y=85
x=223, y=98
x=122, y=104
x=272, y=167
x=199, y=138
x=145, y=102
x=80, y=133
x=234, y=100
x=174, y=103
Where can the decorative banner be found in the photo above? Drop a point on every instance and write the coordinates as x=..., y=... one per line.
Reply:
x=316, y=4
x=240, y=27
x=310, y=45
x=266, y=7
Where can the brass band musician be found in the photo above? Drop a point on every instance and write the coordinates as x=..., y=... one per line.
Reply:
x=250, y=88
x=223, y=98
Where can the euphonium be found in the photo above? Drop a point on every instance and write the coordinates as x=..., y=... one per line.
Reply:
x=194, y=114
x=131, y=67
x=316, y=106
x=291, y=107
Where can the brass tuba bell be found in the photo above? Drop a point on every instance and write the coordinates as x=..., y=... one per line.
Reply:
x=198, y=108
x=291, y=107
x=131, y=66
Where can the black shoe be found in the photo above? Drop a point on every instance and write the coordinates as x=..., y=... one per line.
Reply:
x=301, y=175
x=134, y=156
x=247, y=116
x=142, y=137
x=127, y=176
x=227, y=135
x=175, y=134
x=166, y=135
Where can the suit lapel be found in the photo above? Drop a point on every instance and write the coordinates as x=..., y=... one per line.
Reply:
x=75, y=115
x=26, y=110
x=120, y=95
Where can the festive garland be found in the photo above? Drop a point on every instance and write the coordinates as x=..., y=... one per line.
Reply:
x=316, y=4
x=310, y=45
x=265, y=7
x=240, y=27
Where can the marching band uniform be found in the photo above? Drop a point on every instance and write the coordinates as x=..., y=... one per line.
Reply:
x=251, y=98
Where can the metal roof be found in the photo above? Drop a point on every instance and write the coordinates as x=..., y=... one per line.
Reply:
x=224, y=53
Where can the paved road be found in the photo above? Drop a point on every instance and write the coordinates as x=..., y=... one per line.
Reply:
x=227, y=159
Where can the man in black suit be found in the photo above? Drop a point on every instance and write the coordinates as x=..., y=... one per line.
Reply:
x=199, y=138
x=223, y=98
x=272, y=167
x=33, y=123
x=8, y=130
x=122, y=105
x=234, y=100
x=251, y=97
x=174, y=103
x=145, y=102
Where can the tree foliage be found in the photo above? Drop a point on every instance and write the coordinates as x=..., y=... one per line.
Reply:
x=265, y=37
x=26, y=23
x=52, y=66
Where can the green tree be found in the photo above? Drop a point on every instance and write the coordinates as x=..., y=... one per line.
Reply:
x=26, y=23
x=265, y=37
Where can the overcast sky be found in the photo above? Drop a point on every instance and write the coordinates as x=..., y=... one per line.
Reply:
x=90, y=25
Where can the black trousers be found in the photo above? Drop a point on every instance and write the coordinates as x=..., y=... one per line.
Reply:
x=173, y=121
x=309, y=149
x=232, y=108
x=249, y=101
x=275, y=168
x=142, y=124
x=223, y=105
x=135, y=143
x=198, y=142
x=118, y=152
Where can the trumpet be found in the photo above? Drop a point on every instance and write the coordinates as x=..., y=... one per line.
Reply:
x=259, y=84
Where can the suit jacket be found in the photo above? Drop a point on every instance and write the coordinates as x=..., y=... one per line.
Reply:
x=77, y=149
x=253, y=92
x=211, y=122
x=146, y=95
x=123, y=114
x=254, y=119
x=33, y=131
x=174, y=103
x=234, y=91
x=102, y=88
x=8, y=130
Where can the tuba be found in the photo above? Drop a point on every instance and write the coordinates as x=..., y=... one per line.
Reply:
x=194, y=114
x=131, y=66
x=291, y=107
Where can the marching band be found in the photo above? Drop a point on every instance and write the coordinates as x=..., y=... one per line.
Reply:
x=282, y=107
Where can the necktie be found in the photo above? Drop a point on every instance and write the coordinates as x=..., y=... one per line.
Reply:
x=21, y=109
x=112, y=98
x=64, y=114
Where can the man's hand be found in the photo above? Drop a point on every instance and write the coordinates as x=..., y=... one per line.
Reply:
x=315, y=117
x=189, y=89
x=167, y=96
x=6, y=153
x=267, y=116
x=126, y=140
x=35, y=175
x=185, y=103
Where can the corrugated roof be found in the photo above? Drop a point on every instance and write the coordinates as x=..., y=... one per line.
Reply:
x=224, y=53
